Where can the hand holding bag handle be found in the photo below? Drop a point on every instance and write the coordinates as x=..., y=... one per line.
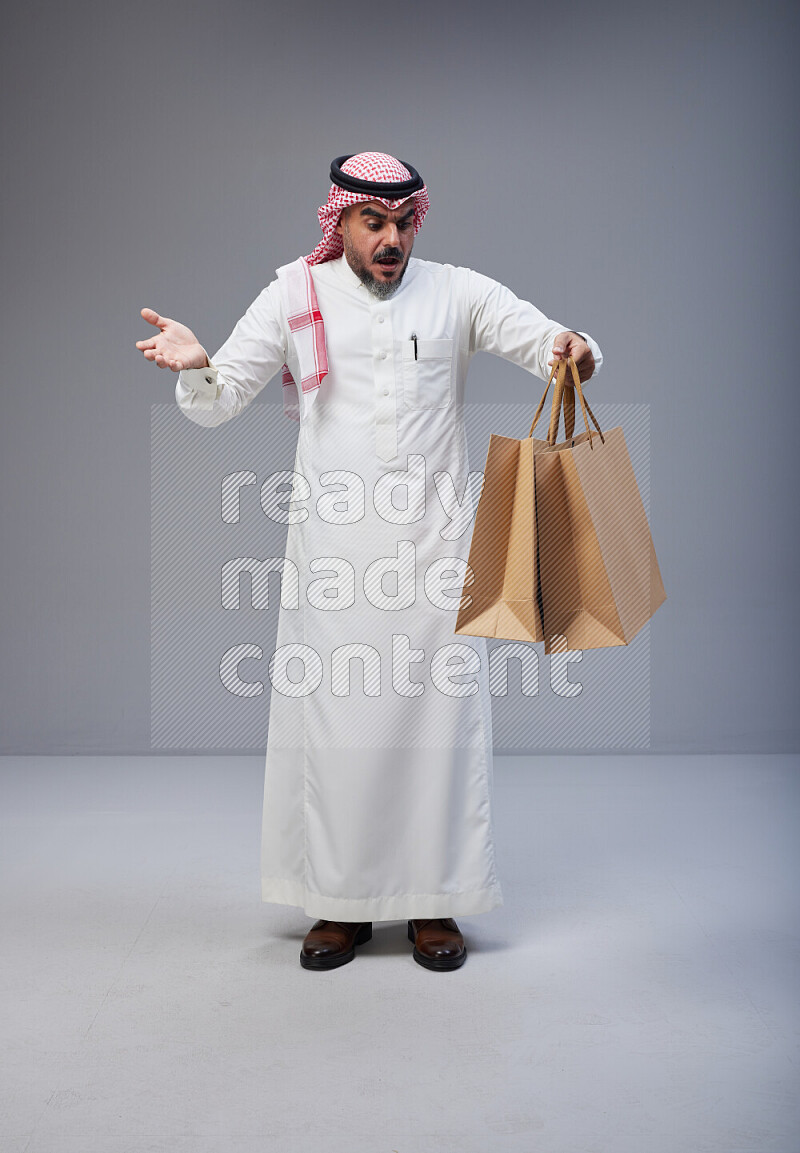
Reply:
x=559, y=394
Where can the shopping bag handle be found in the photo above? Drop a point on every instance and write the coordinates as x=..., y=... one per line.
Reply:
x=559, y=370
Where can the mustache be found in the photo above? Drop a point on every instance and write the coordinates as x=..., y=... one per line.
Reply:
x=395, y=253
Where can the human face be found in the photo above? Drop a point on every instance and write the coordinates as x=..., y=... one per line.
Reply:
x=377, y=244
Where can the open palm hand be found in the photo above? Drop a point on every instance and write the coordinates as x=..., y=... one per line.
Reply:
x=175, y=346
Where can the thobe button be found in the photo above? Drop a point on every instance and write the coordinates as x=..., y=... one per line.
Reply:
x=386, y=392
x=381, y=319
x=384, y=354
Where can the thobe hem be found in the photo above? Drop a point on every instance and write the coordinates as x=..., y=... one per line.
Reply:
x=399, y=907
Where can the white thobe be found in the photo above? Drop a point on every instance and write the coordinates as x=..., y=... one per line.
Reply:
x=378, y=781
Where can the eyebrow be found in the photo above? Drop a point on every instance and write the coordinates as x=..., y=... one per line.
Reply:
x=382, y=215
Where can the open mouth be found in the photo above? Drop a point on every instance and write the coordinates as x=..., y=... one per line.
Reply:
x=388, y=263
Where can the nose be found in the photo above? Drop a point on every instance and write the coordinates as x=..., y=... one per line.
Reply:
x=392, y=234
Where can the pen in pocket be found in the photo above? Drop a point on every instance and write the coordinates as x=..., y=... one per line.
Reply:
x=414, y=338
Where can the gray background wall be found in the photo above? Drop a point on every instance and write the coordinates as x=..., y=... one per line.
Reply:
x=630, y=168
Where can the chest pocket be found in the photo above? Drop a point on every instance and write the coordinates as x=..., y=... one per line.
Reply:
x=428, y=376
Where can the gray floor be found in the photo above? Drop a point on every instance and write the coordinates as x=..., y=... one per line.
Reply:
x=635, y=994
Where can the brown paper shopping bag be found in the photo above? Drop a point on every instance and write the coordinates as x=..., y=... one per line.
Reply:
x=561, y=549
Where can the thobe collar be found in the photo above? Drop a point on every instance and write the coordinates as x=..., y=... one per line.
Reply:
x=345, y=272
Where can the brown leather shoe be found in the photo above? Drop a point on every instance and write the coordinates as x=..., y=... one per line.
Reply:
x=329, y=944
x=438, y=943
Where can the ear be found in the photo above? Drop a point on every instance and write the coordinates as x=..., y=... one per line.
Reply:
x=339, y=222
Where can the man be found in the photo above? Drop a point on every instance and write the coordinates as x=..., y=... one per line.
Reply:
x=377, y=792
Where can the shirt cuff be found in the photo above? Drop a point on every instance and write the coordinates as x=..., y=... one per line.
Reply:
x=595, y=349
x=203, y=383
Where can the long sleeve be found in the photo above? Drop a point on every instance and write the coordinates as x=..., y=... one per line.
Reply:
x=250, y=357
x=515, y=329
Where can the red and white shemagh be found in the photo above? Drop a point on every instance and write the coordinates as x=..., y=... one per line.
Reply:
x=305, y=324
x=378, y=168
x=297, y=286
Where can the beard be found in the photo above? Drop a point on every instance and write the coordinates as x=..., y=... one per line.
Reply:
x=382, y=289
